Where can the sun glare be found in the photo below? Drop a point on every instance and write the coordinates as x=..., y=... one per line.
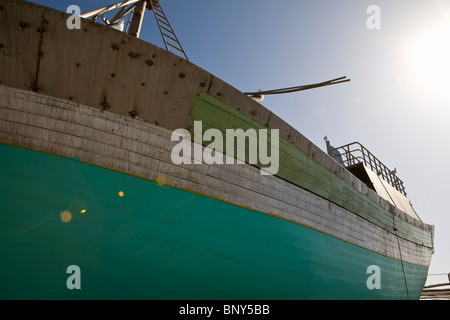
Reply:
x=431, y=59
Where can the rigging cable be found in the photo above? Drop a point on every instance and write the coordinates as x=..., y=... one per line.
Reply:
x=401, y=257
x=398, y=240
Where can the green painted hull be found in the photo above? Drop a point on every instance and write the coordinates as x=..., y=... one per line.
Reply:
x=159, y=242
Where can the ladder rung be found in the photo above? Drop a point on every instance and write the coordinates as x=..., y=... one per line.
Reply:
x=170, y=31
x=175, y=40
x=166, y=23
x=179, y=49
x=158, y=10
x=161, y=16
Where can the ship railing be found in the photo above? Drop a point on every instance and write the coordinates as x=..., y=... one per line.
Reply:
x=354, y=153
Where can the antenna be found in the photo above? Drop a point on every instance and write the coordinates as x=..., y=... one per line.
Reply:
x=133, y=12
x=299, y=88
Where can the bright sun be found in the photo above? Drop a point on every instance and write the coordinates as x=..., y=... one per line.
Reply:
x=431, y=59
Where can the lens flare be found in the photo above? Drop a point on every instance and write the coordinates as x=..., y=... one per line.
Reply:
x=66, y=216
x=161, y=180
x=430, y=58
x=121, y=194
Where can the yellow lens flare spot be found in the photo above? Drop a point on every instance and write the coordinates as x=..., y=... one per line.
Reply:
x=83, y=211
x=121, y=194
x=66, y=216
x=161, y=180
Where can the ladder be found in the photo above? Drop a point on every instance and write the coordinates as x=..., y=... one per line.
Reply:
x=136, y=9
x=169, y=37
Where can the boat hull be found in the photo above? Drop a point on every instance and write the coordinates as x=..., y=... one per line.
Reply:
x=137, y=239
x=86, y=124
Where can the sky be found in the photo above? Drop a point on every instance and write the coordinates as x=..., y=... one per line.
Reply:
x=397, y=103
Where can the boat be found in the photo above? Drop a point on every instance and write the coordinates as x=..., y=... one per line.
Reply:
x=113, y=187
